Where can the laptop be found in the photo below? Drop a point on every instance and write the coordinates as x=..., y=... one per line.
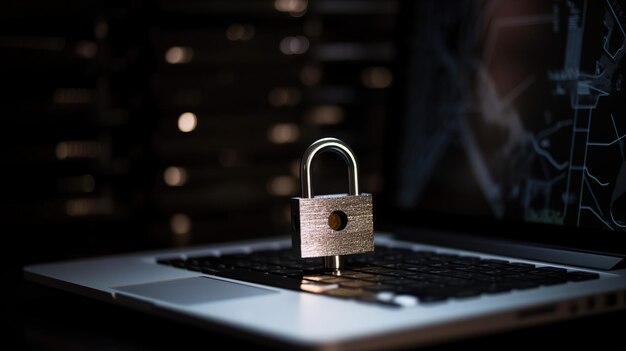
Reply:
x=503, y=207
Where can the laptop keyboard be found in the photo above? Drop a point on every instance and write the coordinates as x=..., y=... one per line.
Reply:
x=388, y=276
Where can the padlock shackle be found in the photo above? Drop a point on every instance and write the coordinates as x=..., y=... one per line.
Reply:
x=320, y=146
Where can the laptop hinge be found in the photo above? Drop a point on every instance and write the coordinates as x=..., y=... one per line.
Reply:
x=514, y=249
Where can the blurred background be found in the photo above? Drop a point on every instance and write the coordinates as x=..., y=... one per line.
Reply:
x=136, y=124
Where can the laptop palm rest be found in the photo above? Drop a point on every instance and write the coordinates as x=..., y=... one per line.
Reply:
x=188, y=291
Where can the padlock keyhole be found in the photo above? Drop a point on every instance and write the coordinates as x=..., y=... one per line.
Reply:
x=337, y=220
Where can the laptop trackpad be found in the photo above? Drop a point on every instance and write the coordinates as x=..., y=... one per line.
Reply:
x=189, y=291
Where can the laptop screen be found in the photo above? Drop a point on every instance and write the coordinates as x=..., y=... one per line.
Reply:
x=515, y=111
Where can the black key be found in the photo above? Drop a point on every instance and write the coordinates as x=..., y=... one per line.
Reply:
x=311, y=261
x=520, y=284
x=373, y=269
x=543, y=272
x=294, y=264
x=419, y=284
x=520, y=276
x=380, y=278
x=495, y=288
x=454, y=281
x=417, y=268
x=414, y=261
x=258, y=254
x=551, y=281
x=466, y=293
x=427, y=299
x=362, y=259
x=399, y=273
x=399, y=282
x=439, y=271
x=522, y=265
x=516, y=268
x=286, y=272
x=467, y=275
x=458, y=264
x=310, y=269
x=552, y=269
x=490, y=265
x=489, y=271
x=437, y=264
x=578, y=276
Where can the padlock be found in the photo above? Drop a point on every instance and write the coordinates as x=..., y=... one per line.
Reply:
x=330, y=226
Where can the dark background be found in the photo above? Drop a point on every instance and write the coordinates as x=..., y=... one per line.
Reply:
x=96, y=99
x=94, y=94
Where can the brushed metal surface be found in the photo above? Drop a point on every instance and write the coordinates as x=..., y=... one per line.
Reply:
x=314, y=237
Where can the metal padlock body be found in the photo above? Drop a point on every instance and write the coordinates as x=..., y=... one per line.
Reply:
x=316, y=239
x=312, y=235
